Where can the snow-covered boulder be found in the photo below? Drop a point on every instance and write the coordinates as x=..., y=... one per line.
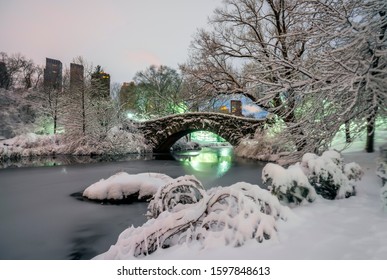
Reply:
x=123, y=185
x=290, y=186
x=223, y=216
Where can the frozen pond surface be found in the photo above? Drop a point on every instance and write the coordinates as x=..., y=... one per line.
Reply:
x=40, y=219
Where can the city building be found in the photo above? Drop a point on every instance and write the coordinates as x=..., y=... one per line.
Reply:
x=236, y=108
x=223, y=109
x=76, y=76
x=52, y=78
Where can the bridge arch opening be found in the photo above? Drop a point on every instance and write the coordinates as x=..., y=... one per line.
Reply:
x=200, y=136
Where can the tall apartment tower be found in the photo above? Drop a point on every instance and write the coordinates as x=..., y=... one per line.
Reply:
x=76, y=76
x=53, y=74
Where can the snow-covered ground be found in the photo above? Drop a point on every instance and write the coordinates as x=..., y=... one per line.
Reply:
x=352, y=228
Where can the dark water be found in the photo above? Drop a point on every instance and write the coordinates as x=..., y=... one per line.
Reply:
x=40, y=219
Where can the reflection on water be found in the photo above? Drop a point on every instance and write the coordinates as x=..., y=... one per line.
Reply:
x=209, y=162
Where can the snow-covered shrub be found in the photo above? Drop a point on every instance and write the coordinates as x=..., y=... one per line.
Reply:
x=353, y=171
x=382, y=171
x=123, y=185
x=28, y=145
x=326, y=174
x=383, y=196
x=291, y=186
x=116, y=142
x=221, y=216
x=232, y=218
x=264, y=146
x=178, y=192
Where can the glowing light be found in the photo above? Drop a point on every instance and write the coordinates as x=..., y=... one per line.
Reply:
x=209, y=162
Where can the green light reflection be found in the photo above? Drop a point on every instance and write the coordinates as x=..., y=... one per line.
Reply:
x=209, y=162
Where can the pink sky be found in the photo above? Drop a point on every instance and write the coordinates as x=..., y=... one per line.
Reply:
x=123, y=36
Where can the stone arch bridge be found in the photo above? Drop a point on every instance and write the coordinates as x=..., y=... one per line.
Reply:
x=162, y=133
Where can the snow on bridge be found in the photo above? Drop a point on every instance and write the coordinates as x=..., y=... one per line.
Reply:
x=162, y=133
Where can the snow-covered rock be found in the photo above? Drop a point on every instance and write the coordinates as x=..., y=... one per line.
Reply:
x=123, y=185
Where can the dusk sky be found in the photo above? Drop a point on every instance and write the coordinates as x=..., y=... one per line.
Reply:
x=123, y=36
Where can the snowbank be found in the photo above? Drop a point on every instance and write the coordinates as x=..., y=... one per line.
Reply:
x=224, y=222
x=353, y=228
x=122, y=185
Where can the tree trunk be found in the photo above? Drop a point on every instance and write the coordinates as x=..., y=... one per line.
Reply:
x=347, y=132
x=55, y=112
x=370, y=134
x=83, y=113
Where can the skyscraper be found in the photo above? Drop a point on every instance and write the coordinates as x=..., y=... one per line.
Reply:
x=76, y=76
x=53, y=74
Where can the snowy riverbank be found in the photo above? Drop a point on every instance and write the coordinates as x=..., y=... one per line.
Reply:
x=352, y=228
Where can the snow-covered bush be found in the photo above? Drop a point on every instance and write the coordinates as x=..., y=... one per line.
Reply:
x=28, y=145
x=176, y=193
x=264, y=146
x=383, y=195
x=382, y=171
x=353, y=171
x=221, y=216
x=117, y=141
x=123, y=185
x=327, y=174
x=290, y=186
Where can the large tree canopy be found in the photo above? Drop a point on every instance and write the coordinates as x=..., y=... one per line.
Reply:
x=158, y=91
x=314, y=64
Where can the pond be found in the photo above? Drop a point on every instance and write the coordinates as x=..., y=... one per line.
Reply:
x=42, y=219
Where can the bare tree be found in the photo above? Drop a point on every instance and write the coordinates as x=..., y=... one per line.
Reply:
x=88, y=113
x=158, y=91
x=297, y=59
x=353, y=41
